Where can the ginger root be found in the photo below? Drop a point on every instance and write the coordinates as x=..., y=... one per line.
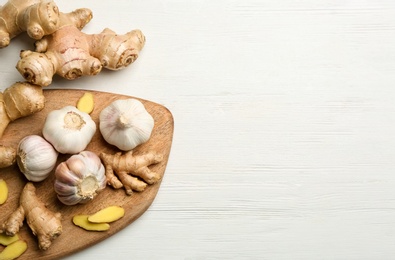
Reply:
x=126, y=164
x=37, y=18
x=19, y=100
x=45, y=224
x=7, y=156
x=71, y=54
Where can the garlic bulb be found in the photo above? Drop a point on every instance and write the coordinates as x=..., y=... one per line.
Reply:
x=36, y=157
x=69, y=130
x=80, y=178
x=126, y=123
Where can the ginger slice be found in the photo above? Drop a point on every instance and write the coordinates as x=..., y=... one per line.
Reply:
x=107, y=215
x=82, y=222
x=13, y=250
x=99, y=220
x=6, y=240
x=86, y=103
x=3, y=191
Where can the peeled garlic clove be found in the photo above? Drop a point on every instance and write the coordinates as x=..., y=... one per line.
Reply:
x=80, y=178
x=68, y=176
x=69, y=130
x=36, y=157
x=126, y=123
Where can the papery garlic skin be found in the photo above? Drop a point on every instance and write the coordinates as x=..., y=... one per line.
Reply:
x=80, y=178
x=36, y=158
x=69, y=130
x=126, y=123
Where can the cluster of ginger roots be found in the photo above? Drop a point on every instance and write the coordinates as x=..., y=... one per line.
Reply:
x=62, y=48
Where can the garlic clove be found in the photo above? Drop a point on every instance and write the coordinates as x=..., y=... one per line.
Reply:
x=77, y=167
x=70, y=200
x=64, y=175
x=64, y=189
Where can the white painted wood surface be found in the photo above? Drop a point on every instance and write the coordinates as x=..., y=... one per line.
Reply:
x=284, y=140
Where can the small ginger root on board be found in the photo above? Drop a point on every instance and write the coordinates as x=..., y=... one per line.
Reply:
x=19, y=100
x=123, y=165
x=45, y=224
x=7, y=156
x=37, y=18
x=71, y=54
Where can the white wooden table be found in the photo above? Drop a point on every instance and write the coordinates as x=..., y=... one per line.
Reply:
x=284, y=141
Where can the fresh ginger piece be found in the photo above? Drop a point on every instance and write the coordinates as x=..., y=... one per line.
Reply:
x=7, y=240
x=107, y=215
x=119, y=166
x=70, y=53
x=37, y=18
x=23, y=99
x=3, y=192
x=19, y=100
x=86, y=103
x=82, y=222
x=14, y=250
x=7, y=156
x=45, y=224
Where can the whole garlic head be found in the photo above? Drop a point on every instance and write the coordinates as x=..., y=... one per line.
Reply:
x=69, y=130
x=80, y=178
x=126, y=123
x=36, y=157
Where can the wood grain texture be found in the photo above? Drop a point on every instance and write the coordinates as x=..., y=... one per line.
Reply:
x=284, y=139
x=74, y=238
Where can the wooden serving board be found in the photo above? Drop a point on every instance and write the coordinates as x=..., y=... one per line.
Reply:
x=73, y=238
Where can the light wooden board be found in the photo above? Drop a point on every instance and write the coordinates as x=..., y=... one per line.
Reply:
x=73, y=238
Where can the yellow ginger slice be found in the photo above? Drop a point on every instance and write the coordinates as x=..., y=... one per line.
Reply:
x=86, y=103
x=106, y=215
x=13, y=250
x=6, y=240
x=3, y=191
x=82, y=222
